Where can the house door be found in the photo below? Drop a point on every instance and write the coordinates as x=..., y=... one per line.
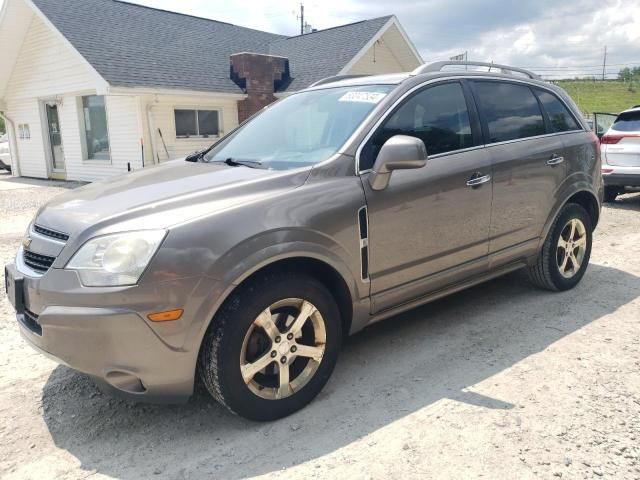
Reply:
x=55, y=139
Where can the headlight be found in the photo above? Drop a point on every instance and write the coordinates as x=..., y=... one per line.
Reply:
x=117, y=259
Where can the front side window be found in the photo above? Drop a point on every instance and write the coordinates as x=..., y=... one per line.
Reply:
x=96, y=134
x=196, y=123
x=437, y=115
x=560, y=118
x=510, y=111
x=300, y=130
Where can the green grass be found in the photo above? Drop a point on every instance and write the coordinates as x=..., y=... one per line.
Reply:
x=598, y=96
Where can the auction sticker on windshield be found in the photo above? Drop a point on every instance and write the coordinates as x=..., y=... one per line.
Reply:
x=365, y=97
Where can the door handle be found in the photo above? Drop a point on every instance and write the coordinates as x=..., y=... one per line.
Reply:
x=555, y=160
x=478, y=179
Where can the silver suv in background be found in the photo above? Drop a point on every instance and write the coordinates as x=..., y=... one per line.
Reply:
x=334, y=208
x=5, y=154
x=621, y=154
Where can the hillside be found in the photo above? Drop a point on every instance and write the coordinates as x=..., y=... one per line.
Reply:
x=597, y=96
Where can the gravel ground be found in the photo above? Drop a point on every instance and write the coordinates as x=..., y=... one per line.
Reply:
x=499, y=381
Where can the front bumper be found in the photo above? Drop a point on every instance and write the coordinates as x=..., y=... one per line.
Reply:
x=116, y=344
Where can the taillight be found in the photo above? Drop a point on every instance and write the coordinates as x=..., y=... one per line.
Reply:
x=612, y=138
x=607, y=170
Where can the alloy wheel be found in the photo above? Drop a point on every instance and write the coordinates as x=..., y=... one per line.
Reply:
x=283, y=348
x=571, y=248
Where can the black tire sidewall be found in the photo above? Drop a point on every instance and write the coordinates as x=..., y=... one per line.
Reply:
x=570, y=211
x=248, y=304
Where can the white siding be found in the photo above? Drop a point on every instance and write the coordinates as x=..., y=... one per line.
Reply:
x=47, y=70
x=30, y=152
x=47, y=67
x=162, y=118
x=390, y=54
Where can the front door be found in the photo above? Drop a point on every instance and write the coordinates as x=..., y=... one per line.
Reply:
x=55, y=141
x=430, y=226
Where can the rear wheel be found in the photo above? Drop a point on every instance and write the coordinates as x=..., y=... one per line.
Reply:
x=611, y=193
x=565, y=254
x=272, y=346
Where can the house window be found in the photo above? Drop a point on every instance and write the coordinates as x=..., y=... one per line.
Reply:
x=96, y=134
x=196, y=123
x=24, y=133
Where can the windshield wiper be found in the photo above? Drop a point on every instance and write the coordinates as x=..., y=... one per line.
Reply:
x=232, y=162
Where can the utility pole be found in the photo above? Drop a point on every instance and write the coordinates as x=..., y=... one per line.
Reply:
x=604, y=62
x=301, y=19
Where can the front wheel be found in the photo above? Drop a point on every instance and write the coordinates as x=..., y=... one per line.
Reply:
x=272, y=346
x=565, y=254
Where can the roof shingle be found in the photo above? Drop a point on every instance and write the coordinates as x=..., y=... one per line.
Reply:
x=132, y=45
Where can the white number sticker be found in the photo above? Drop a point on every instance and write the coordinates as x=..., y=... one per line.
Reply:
x=365, y=97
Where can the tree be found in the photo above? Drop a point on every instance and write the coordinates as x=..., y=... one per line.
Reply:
x=2, y=127
x=626, y=74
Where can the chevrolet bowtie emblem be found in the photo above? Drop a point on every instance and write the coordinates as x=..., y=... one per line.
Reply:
x=26, y=243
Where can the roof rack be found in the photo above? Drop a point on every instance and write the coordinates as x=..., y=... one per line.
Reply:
x=334, y=78
x=437, y=66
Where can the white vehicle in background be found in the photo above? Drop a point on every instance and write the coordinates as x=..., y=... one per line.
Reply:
x=5, y=155
x=620, y=147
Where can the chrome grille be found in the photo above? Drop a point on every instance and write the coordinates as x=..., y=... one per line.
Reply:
x=37, y=262
x=47, y=232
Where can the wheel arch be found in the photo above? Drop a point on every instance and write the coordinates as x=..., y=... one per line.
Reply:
x=321, y=270
x=581, y=195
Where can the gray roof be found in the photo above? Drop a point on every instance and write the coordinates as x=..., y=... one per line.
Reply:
x=324, y=53
x=132, y=45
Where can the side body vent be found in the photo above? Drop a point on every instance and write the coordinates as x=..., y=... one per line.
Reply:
x=363, y=227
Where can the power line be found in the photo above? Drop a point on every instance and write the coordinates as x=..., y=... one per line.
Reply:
x=636, y=62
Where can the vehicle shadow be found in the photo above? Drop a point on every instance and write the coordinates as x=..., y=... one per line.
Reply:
x=385, y=373
x=627, y=201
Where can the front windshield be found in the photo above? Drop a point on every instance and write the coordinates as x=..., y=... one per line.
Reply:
x=300, y=130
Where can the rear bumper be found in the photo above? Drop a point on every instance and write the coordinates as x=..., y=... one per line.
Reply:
x=622, y=179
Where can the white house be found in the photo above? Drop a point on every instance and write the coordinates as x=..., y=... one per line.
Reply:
x=92, y=88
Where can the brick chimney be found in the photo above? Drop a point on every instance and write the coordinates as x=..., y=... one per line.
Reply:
x=259, y=76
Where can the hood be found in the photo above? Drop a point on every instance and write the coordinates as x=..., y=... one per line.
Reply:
x=161, y=196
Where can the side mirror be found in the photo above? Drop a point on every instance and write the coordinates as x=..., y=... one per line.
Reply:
x=400, y=152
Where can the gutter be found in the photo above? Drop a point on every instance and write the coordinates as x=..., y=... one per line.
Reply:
x=13, y=145
x=151, y=127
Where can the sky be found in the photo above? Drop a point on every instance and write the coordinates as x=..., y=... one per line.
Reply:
x=556, y=38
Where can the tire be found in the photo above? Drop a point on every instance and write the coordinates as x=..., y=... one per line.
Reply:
x=610, y=194
x=234, y=335
x=547, y=271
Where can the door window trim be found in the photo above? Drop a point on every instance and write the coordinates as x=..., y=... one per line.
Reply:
x=471, y=110
x=483, y=120
x=545, y=114
x=485, y=132
x=467, y=78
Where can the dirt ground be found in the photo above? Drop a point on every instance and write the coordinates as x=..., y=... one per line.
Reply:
x=501, y=381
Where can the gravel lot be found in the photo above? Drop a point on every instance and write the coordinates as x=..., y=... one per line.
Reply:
x=499, y=381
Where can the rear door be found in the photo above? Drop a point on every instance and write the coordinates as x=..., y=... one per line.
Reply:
x=528, y=166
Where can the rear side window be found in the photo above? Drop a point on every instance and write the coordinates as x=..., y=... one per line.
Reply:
x=560, y=118
x=510, y=111
x=627, y=122
x=437, y=115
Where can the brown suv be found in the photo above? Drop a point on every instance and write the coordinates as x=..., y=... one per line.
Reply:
x=334, y=208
